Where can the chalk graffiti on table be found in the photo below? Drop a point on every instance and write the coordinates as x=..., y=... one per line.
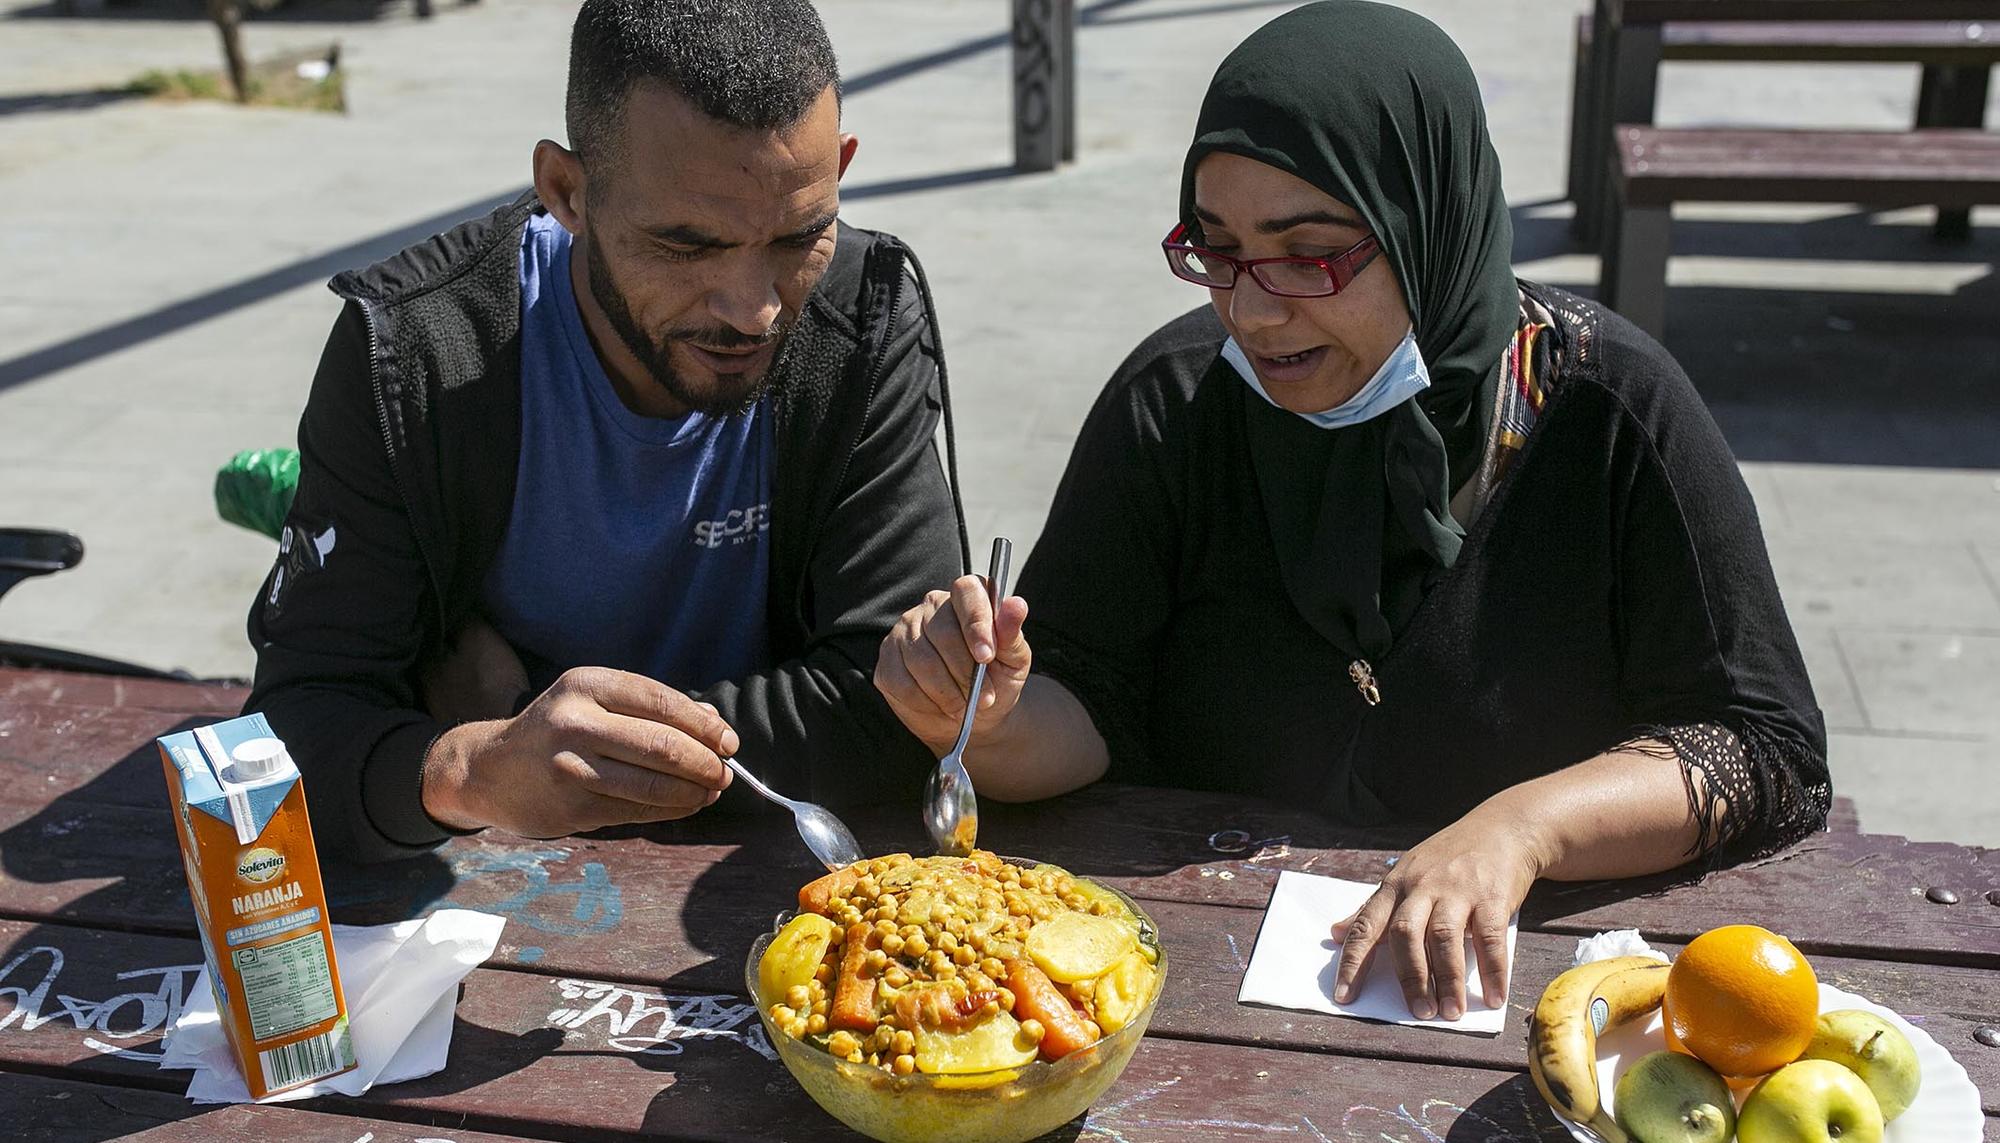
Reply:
x=655, y=1024
x=1128, y=1118
x=589, y=904
x=30, y=977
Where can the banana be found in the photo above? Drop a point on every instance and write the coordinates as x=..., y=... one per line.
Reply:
x=1575, y=1009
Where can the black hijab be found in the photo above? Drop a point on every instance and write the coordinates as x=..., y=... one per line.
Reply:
x=1377, y=107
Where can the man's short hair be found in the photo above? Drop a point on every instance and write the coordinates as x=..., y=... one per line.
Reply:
x=758, y=64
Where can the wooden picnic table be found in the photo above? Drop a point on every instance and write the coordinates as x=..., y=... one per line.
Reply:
x=613, y=1007
x=1627, y=45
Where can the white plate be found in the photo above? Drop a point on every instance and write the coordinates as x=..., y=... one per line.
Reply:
x=1946, y=1109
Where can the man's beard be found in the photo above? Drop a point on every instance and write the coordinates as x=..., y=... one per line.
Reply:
x=736, y=392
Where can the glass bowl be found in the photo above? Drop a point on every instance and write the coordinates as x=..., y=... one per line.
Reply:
x=1007, y=1106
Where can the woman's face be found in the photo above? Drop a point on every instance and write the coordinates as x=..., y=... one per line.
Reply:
x=1310, y=353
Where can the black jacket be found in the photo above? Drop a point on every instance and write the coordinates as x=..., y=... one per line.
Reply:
x=408, y=451
x=1614, y=588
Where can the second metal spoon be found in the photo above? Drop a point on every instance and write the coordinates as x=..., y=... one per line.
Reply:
x=951, y=809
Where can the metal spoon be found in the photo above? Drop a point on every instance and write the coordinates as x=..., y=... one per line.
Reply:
x=829, y=839
x=951, y=809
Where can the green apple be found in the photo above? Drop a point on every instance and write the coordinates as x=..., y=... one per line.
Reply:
x=1873, y=1049
x=1811, y=1101
x=1671, y=1098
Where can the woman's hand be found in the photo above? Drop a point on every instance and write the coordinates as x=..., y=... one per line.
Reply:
x=925, y=666
x=1466, y=880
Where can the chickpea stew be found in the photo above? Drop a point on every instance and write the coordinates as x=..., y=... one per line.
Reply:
x=956, y=965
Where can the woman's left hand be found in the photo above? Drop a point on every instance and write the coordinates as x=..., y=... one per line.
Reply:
x=1466, y=880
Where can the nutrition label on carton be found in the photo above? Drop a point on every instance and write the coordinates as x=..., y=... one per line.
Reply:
x=288, y=985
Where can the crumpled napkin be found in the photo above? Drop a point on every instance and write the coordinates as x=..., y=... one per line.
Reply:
x=401, y=982
x=1294, y=963
x=1616, y=942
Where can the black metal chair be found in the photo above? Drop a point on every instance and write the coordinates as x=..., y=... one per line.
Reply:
x=29, y=552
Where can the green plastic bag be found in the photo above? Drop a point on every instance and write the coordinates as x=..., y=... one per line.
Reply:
x=254, y=490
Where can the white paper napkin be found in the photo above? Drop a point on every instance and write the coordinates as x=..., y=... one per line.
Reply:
x=1295, y=960
x=401, y=982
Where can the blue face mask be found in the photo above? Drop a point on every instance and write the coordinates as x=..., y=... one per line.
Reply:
x=1400, y=378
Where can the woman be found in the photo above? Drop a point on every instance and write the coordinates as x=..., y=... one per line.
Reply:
x=1386, y=532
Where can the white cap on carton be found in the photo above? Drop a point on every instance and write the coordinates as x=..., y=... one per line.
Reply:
x=259, y=758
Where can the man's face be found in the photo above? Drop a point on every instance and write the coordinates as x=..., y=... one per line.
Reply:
x=702, y=241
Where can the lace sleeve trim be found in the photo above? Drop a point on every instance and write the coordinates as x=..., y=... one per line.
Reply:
x=1756, y=793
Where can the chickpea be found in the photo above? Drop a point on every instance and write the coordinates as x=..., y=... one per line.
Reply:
x=991, y=966
x=989, y=1008
x=782, y=1014
x=797, y=996
x=1092, y=1030
x=820, y=1006
x=916, y=945
x=946, y=971
x=905, y=1064
x=896, y=977
x=947, y=940
x=877, y=960
x=892, y=943
x=843, y=1044
x=816, y=1024
x=839, y=935
x=963, y=955
x=1006, y=998
x=885, y=928
x=887, y=901
x=904, y=1043
x=1099, y=909
x=850, y=916
x=1032, y=1031
x=824, y=972
x=883, y=1037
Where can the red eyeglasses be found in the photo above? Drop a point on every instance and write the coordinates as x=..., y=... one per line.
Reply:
x=1285, y=277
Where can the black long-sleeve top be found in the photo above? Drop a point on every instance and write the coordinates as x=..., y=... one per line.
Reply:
x=1614, y=588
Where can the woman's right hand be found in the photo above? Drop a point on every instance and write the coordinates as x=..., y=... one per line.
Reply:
x=926, y=663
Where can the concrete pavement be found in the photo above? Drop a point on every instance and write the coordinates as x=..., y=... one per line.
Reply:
x=163, y=306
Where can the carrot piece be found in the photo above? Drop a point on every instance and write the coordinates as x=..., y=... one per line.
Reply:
x=853, y=1005
x=814, y=896
x=1037, y=998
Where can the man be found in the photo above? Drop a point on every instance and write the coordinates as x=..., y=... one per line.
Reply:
x=623, y=478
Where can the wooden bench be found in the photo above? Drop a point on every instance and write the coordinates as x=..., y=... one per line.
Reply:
x=1655, y=167
x=1957, y=57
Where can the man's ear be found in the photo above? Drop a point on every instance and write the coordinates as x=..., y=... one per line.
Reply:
x=848, y=145
x=560, y=183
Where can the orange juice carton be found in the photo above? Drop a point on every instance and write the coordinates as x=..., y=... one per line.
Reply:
x=240, y=810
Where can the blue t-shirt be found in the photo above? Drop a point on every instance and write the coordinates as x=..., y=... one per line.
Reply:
x=635, y=542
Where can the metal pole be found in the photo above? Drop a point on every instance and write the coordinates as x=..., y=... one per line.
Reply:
x=1038, y=85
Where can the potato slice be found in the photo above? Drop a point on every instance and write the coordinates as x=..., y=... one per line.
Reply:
x=1114, y=908
x=792, y=956
x=990, y=1045
x=1122, y=992
x=1077, y=946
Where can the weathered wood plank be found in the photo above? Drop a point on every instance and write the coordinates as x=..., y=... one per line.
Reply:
x=539, y=1055
x=1670, y=11
x=1953, y=166
x=47, y=1109
x=1847, y=895
x=24, y=688
x=610, y=914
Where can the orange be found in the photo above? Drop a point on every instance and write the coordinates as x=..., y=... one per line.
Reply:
x=1742, y=1000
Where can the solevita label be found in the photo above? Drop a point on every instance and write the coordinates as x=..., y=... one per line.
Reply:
x=260, y=865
